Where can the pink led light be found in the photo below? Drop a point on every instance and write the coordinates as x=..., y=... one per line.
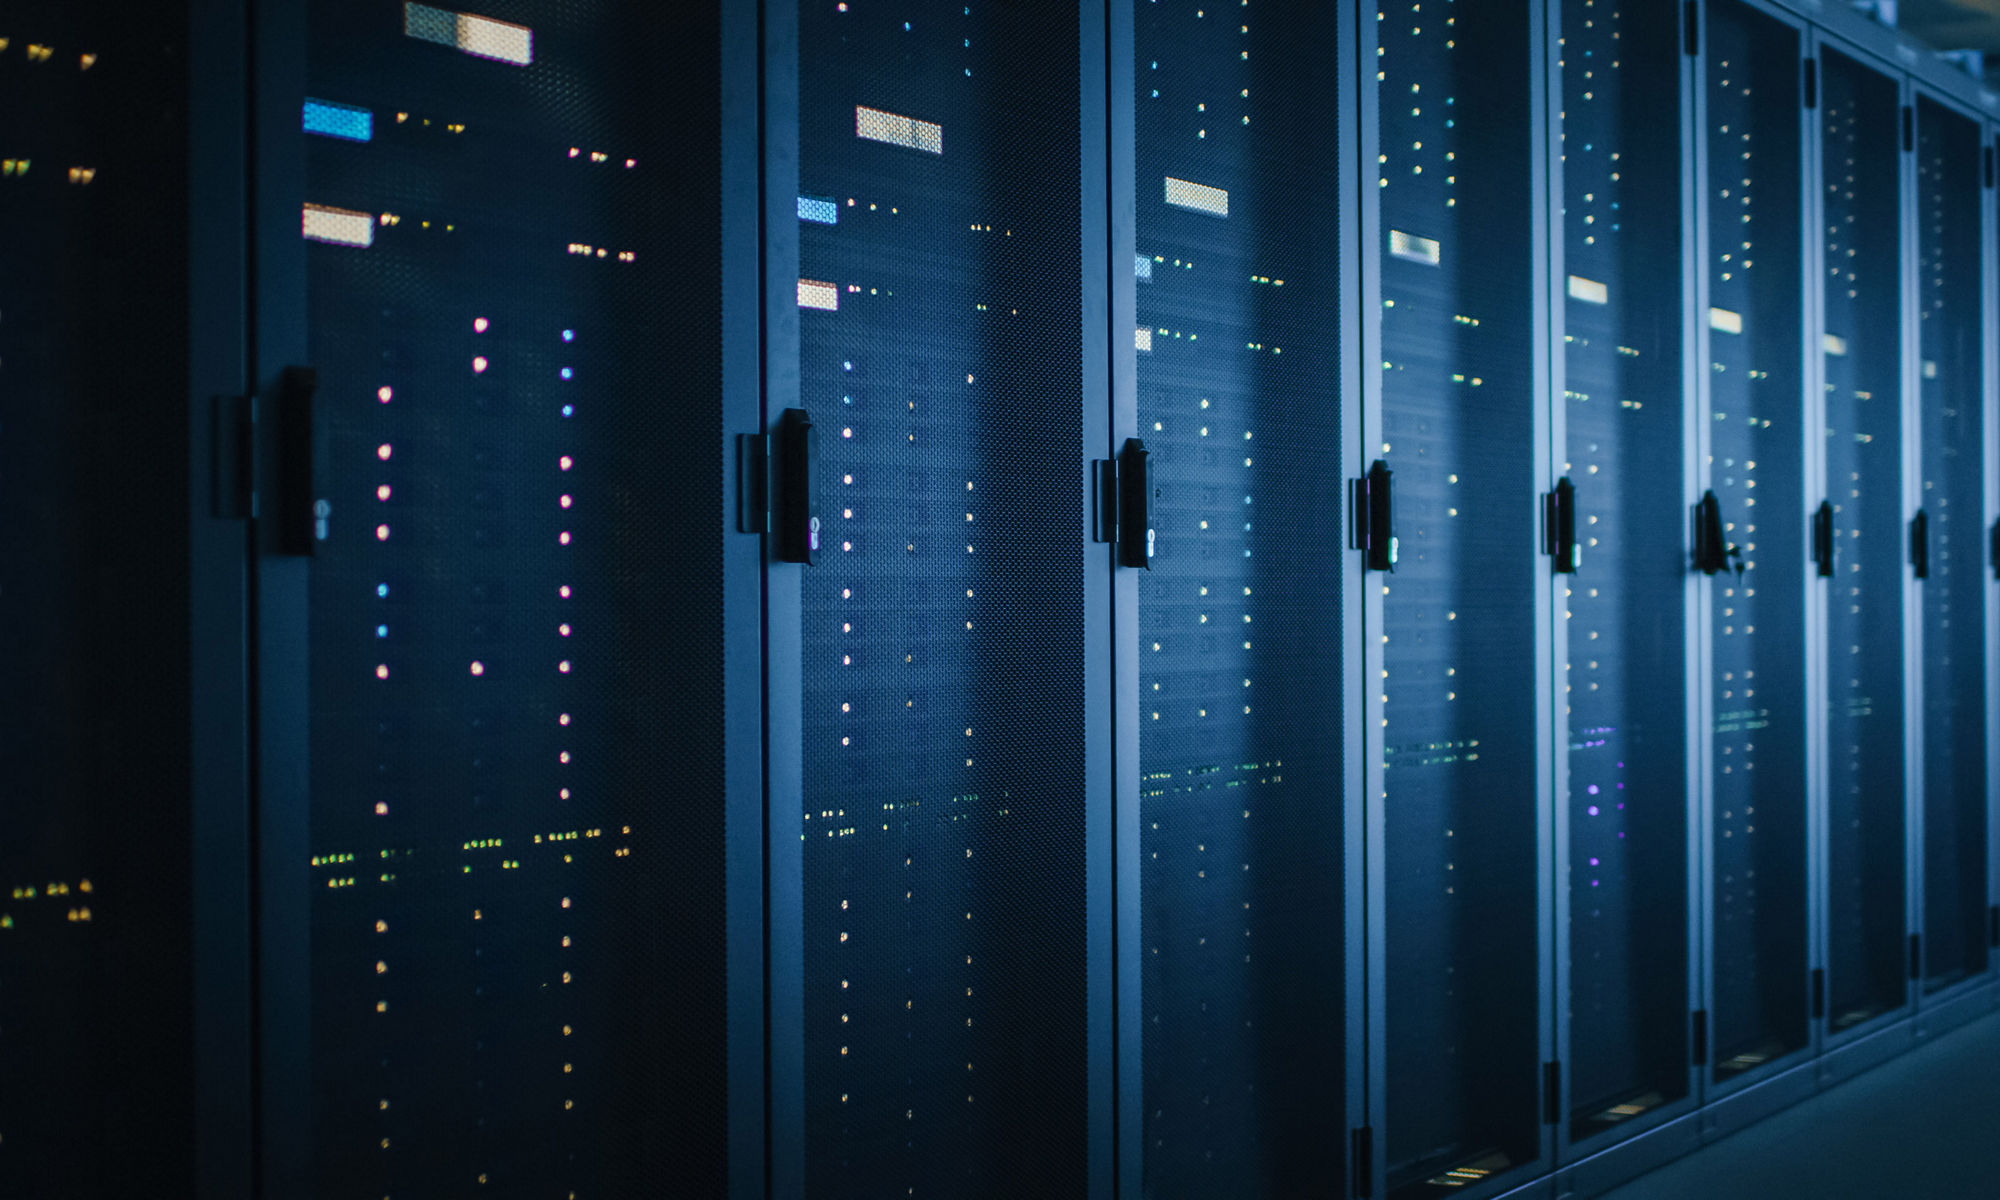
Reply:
x=565, y=462
x=479, y=365
x=564, y=537
x=563, y=720
x=381, y=670
x=382, y=493
x=563, y=794
x=383, y=451
x=563, y=591
x=480, y=324
x=630, y=163
x=381, y=808
x=385, y=393
x=566, y=501
x=478, y=668
x=563, y=629
x=573, y=152
x=381, y=533
x=563, y=758
x=563, y=666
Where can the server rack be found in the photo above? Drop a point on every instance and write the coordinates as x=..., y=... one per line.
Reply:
x=1757, y=970
x=1240, y=285
x=492, y=808
x=1627, y=951
x=1863, y=270
x=123, y=865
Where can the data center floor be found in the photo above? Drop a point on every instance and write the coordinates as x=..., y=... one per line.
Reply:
x=1921, y=1127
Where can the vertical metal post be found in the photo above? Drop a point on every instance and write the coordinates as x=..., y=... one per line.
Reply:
x=1695, y=380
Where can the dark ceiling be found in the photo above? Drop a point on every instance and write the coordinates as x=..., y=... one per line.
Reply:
x=1953, y=24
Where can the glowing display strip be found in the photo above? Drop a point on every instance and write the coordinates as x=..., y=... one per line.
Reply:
x=1142, y=266
x=1725, y=320
x=812, y=208
x=814, y=294
x=879, y=126
x=1415, y=249
x=1588, y=290
x=482, y=37
x=340, y=226
x=345, y=121
x=1197, y=196
x=1930, y=369
x=1143, y=339
x=1835, y=345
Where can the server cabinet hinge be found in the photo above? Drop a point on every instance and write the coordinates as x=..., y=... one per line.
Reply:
x=1993, y=926
x=1909, y=129
x=1920, y=545
x=1363, y=1158
x=1122, y=490
x=1690, y=14
x=1916, y=956
x=1552, y=1079
x=1818, y=992
x=1822, y=537
x=1986, y=169
x=753, y=483
x=1372, y=505
x=304, y=514
x=1994, y=548
x=1810, y=80
x=1559, y=527
x=233, y=458
x=1698, y=1037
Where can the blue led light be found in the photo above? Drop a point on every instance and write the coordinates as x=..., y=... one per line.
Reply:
x=567, y=373
x=381, y=589
x=569, y=335
x=381, y=631
x=825, y=212
x=569, y=410
x=339, y=121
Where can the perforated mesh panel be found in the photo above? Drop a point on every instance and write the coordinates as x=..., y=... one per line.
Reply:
x=1862, y=355
x=1954, y=596
x=95, y=850
x=516, y=814
x=1625, y=605
x=1756, y=469
x=1458, y=613
x=943, y=656
x=1240, y=642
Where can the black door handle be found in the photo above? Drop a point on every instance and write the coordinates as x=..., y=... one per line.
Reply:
x=1920, y=544
x=1375, y=517
x=795, y=452
x=1135, y=505
x=1559, y=527
x=1711, y=552
x=1823, y=537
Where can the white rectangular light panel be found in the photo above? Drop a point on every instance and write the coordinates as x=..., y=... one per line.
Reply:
x=1415, y=249
x=814, y=294
x=339, y=226
x=1588, y=290
x=1197, y=196
x=879, y=126
x=481, y=37
x=1725, y=321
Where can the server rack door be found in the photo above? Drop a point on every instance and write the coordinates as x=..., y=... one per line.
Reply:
x=1627, y=622
x=1459, y=654
x=1862, y=354
x=1239, y=318
x=512, y=299
x=943, y=650
x=1952, y=597
x=1756, y=468
x=96, y=858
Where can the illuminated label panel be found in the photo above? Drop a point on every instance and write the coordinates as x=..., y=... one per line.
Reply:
x=1757, y=606
x=1624, y=610
x=328, y=119
x=1240, y=651
x=1860, y=132
x=1953, y=598
x=514, y=626
x=1458, y=639
x=943, y=664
